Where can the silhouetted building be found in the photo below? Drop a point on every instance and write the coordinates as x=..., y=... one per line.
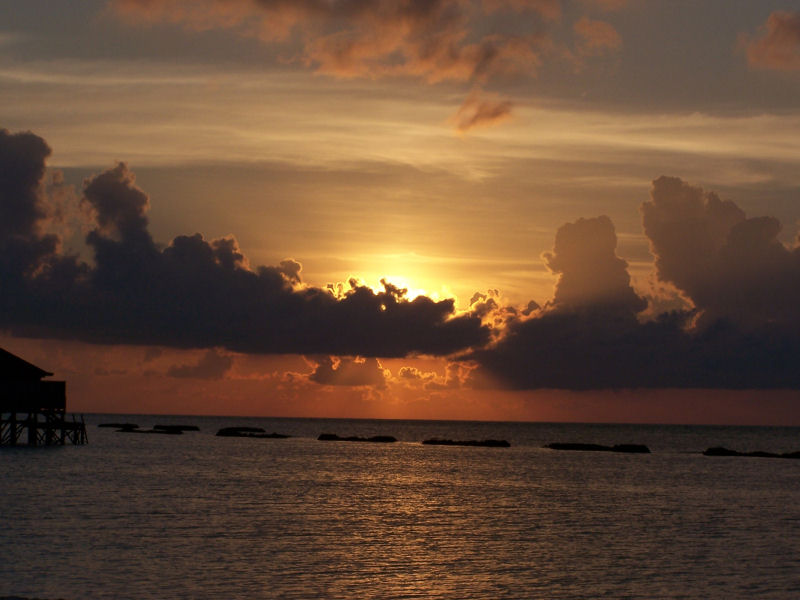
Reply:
x=33, y=411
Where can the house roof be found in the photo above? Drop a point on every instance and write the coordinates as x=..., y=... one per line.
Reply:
x=13, y=368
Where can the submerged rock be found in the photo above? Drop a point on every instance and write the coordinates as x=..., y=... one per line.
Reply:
x=171, y=428
x=483, y=443
x=626, y=448
x=128, y=428
x=158, y=431
x=249, y=432
x=332, y=437
x=720, y=451
x=631, y=448
x=239, y=430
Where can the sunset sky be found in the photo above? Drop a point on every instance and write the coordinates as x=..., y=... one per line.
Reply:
x=581, y=210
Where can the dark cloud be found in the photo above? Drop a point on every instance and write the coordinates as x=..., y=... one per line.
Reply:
x=730, y=266
x=777, y=46
x=152, y=353
x=590, y=274
x=119, y=206
x=346, y=371
x=193, y=293
x=212, y=365
x=742, y=334
x=23, y=245
x=597, y=350
x=742, y=284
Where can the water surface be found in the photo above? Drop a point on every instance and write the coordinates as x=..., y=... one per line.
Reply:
x=196, y=516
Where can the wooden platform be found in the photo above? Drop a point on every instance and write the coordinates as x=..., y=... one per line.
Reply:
x=42, y=428
x=33, y=413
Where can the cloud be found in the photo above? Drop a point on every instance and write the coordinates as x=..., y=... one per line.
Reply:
x=777, y=46
x=744, y=332
x=742, y=329
x=590, y=274
x=23, y=245
x=730, y=266
x=549, y=9
x=478, y=112
x=433, y=40
x=191, y=293
x=596, y=37
x=347, y=371
x=413, y=374
x=607, y=5
x=212, y=365
x=152, y=353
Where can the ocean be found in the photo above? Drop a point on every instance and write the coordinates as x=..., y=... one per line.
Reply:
x=199, y=516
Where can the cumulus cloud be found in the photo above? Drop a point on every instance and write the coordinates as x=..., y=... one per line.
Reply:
x=330, y=370
x=191, y=293
x=729, y=266
x=590, y=274
x=212, y=365
x=454, y=377
x=743, y=332
x=495, y=311
x=742, y=329
x=777, y=46
x=23, y=245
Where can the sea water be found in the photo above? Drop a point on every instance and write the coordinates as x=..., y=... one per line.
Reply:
x=199, y=516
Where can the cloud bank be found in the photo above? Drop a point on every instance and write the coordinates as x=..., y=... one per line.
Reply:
x=743, y=332
x=192, y=293
x=740, y=284
x=212, y=365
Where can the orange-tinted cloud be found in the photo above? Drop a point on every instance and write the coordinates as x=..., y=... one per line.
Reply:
x=433, y=40
x=479, y=112
x=345, y=371
x=778, y=44
x=607, y=5
x=596, y=37
x=549, y=9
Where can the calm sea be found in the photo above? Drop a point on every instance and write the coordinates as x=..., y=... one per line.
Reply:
x=197, y=516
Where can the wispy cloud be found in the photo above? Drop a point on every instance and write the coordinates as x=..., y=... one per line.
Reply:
x=480, y=111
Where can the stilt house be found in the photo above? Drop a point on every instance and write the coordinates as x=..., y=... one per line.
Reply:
x=33, y=410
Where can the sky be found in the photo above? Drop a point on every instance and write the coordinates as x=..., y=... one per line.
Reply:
x=557, y=210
